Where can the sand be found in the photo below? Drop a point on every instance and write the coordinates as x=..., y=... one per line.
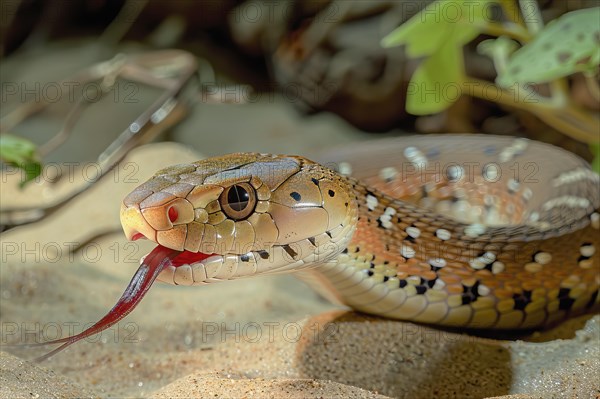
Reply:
x=266, y=337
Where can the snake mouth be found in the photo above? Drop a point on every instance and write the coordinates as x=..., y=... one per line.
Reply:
x=188, y=258
x=180, y=258
x=184, y=257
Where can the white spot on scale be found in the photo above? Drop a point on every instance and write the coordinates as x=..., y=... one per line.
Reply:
x=595, y=219
x=372, y=202
x=443, y=234
x=386, y=218
x=575, y=175
x=491, y=172
x=483, y=290
x=437, y=262
x=498, y=267
x=488, y=257
x=389, y=211
x=415, y=156
x=543, y=258
x=513, y=185
x=455, y=173
x=407, y=251
x=388, y=174
x=587, y=250
x=345, y=168
x=516, y=148
x=570, y=201
x=534, y=217
x=413, y=232
x=438, y=285
x=475, y=230
x=477, y=264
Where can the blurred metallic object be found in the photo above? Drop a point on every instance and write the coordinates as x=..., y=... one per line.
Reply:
x=170, y=70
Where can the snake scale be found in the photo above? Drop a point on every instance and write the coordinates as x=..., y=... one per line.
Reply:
x=469, y=230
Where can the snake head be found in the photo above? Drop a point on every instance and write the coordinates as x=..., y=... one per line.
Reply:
x=242, y=214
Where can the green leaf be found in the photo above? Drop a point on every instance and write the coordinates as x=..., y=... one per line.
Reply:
x=566, y=45
x=21, y=153
x=437, y=82
x=425, y=32
x=422, y=34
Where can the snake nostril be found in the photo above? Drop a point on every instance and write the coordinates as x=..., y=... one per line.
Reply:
x=173, y=214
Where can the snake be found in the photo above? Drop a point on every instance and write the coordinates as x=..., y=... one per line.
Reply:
x=469, y=231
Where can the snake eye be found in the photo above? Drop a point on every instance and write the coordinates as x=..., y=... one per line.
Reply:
x=238, y=201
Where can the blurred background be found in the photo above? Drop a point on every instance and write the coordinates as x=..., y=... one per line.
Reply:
x=273, y=75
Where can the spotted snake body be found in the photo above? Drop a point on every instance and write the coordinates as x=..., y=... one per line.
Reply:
x=471, y=231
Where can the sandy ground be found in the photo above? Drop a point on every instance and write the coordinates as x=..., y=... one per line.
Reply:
x=265, y=337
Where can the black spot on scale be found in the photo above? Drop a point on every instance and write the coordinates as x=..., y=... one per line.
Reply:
x=421, y=289
x=563, y=292
x=331, y=193
x=315, y=181
x=592, y=300
x=470, y=293
x=522, y=300
x=466, y=299
x=565, y=303
x=245, y=258
x=431, y=283
x=370, y=272
x=290, y=251
x=295, y=195
x=368, y=192
x=314, y=243
x=386, y=278
x=263, y=254
x=345, y=251
x=402, y=283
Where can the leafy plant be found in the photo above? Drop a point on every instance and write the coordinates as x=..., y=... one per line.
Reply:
x=21, y=153
x=525, y=53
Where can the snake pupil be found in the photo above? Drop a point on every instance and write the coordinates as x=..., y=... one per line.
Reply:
x=238, y=198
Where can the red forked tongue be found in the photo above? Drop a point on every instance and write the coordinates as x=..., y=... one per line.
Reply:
x=142, y=280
